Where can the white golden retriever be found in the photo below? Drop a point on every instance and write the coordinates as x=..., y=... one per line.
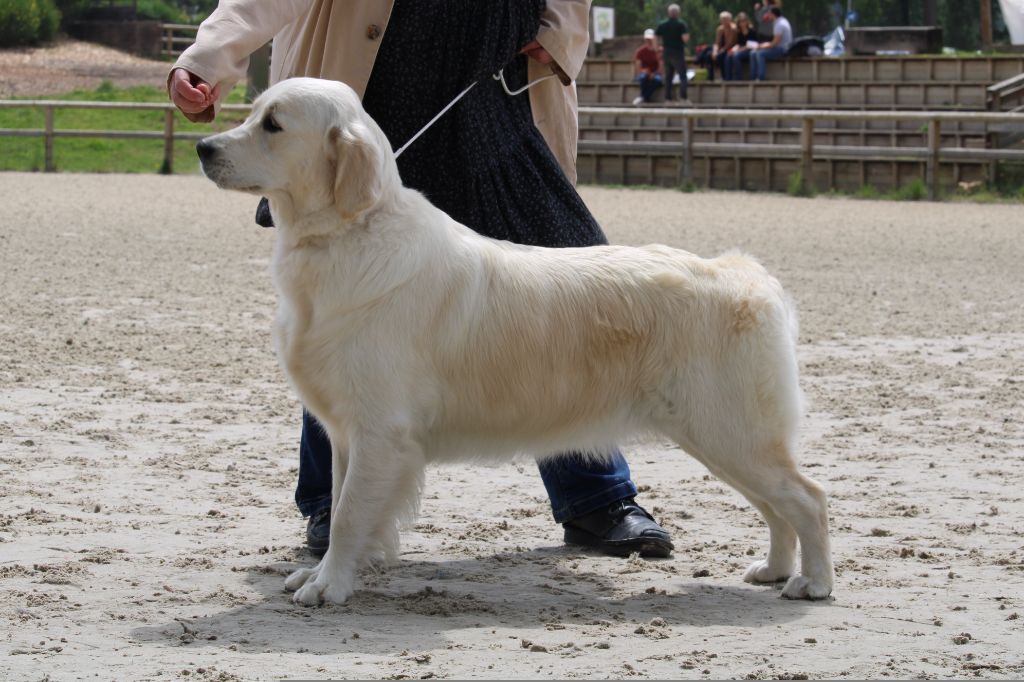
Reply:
x=413, y=340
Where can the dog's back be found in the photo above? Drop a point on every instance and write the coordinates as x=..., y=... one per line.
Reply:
x=573, y=347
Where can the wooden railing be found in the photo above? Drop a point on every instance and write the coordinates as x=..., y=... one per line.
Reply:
x=176, y=38
x=1007, y=94
x=49, y=132
x=806, y=151
x=849, y=69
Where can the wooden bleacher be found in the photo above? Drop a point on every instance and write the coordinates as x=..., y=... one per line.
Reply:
x=850, y=69
x=933, y=83
x=808, y=95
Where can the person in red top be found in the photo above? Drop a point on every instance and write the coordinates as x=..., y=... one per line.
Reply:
x=647, y=68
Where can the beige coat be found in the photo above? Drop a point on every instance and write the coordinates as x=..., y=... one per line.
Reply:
x=339, y=39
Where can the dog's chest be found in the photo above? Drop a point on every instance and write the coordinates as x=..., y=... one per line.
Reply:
x=313, y=369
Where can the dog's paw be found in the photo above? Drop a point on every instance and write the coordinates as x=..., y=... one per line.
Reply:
x=802, y=587
x=323, y=590
x=760, y=572
x=298, y=578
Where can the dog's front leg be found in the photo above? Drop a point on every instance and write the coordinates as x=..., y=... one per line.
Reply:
x=339, y=467
x=373, y=495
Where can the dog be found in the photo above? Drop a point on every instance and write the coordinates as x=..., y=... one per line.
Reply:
x=413, y=340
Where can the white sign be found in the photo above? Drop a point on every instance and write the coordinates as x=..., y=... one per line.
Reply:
x=604, y=23
x=1013, y=15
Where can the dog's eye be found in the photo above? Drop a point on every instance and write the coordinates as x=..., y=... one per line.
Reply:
x=270, y=125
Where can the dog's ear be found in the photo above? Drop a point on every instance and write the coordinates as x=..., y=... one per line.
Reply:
x=357, y=177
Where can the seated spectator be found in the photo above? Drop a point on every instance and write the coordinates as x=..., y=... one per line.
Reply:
x=647, y=68
x=782, y=38
x=739, y=54
x=713, y=55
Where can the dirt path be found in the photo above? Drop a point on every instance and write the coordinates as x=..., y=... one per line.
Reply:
x=73, y=65
x=148, y=454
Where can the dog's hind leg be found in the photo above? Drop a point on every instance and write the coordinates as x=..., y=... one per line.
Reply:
x=377, y=473
x=781, y=558
x=801, y=504
x=742, y=430
x=794, y=507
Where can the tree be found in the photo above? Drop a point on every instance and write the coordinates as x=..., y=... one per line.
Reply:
x=633, y=16
x=959, y=19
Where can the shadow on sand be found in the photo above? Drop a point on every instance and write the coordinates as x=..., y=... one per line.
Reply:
x=419, y=601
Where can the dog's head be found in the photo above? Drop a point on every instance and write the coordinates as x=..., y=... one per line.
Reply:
x=307, y=144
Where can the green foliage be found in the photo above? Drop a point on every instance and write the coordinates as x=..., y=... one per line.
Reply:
x=106, y=92
x=49, y=20
x=27, y=22
x=166, y=12
x=960, y=21
x=915, y=190
x=1010, y=178
x=796, y=187
x=19, y=22
x=702, y=18
x=633, y=16
x=170, y=11
x=868, y=192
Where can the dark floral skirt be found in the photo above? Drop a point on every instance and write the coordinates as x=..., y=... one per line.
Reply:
x=484, y=162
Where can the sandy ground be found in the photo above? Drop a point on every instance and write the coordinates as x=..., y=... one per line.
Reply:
x=73, y=65
x=148, y=454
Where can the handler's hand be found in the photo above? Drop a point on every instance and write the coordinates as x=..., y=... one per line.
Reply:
x=534, y=50
x=193, y=96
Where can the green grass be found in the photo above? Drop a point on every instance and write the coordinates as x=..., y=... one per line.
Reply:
x=868, y=192
x=105, y=155
x=796, y=187
x=915, y=190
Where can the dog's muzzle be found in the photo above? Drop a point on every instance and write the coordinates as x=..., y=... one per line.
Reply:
x=206, y=150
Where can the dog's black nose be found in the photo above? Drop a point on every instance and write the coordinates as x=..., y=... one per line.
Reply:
x=205, y=150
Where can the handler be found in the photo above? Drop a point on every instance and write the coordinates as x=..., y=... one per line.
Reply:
x=505, y=166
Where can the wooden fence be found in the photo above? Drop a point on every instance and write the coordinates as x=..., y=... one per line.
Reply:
x=176, y=38
x=49, y=132
x=806, y=151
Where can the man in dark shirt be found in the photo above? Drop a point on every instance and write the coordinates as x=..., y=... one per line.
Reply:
x=674, y=34
x=646, y=68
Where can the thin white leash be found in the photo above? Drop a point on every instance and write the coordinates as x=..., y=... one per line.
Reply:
x=500, y=76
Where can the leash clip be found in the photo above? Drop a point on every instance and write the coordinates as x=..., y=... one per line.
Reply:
x=500, y=76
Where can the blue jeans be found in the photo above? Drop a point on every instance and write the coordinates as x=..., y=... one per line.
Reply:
x=734, y=65
x=706, y=60
x=575, y=485
x=649, y=83
x=759, y=61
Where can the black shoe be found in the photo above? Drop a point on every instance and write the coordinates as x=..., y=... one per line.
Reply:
x=318, y=532
x=620, y=529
